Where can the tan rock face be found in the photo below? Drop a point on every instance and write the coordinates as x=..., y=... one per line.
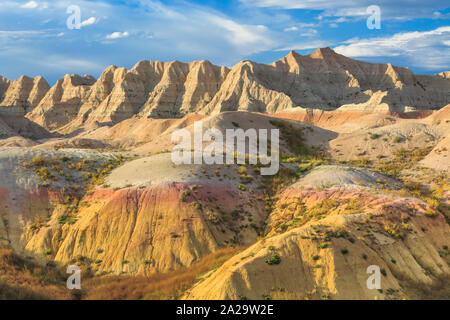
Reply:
x=17, y=93
x=322, y=80
x=5, y=130
x=137, y=230
x=24, y=94
x=40, y=88
x=62, y=102
x=328, y=258
x=140, y=231
x=4, y=84
x=184, y=88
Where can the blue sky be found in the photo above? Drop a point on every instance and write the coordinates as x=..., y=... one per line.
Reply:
x=35, y=39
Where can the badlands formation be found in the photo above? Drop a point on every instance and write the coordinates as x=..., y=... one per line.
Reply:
x=323, y=80
x=86, y=179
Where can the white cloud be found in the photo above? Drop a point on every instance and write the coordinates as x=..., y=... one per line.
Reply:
x=30, y=5
x=341, y=19
x=117, y=35
x=304, y=25
x=247, y=39
x=183, y=31
x=306, y=45
x=291, y=4
x=20, y=34
x=420, y=48
x=64, y=63
x=399, y=9
x=88, y=22
x=351, y=12
x=309, y=33
x=290, y=29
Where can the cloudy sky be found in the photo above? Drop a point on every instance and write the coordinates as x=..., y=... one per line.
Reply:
x=44, y=37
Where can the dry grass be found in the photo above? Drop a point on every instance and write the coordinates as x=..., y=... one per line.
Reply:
x=161, y=286
x=439, y=290
x=22, y=279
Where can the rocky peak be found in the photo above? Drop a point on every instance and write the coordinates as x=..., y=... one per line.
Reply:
x=40, y=88
x=323, y=53
x=23, y=94
x=293, y=55
x=444, y=74
x=77, y=80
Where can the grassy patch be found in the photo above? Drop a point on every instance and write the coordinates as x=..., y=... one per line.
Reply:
x=160, y=286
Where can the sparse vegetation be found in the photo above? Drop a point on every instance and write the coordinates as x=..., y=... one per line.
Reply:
x=242, y=187
x=24, y=279
x=85, y=173
x=159, y=286
x=402, y=159
x=197, y=205
x=293, y=137
x=274, y=259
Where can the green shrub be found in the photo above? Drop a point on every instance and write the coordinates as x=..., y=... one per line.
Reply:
x=305, y=167
x=242, y=187
x=197, y=205
x=185, y=194
x=274, y=259
x=267, y=297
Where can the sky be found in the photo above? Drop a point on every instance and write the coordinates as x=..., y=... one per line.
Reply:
x=53, y=38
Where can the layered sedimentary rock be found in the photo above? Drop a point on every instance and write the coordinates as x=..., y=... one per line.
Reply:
x=320, y=244
x=4, y=84
x=17, y=98
x=184, y=88
x=5, y=130
x=139, y=231
x=322, y=80
x=62, y=101
x=139, y=225
x=22, y=95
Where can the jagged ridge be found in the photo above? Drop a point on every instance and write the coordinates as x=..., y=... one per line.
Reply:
x=322, y=80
